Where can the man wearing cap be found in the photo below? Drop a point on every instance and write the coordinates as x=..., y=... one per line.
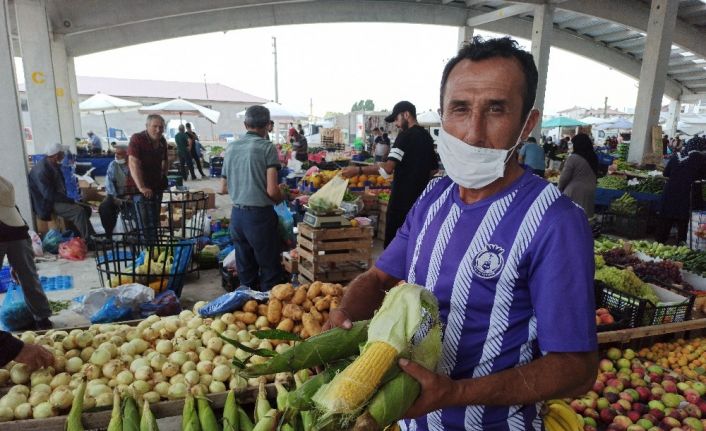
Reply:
x=15, y=243
x=250, y=170
x=47, y=191
x=115, y=186
x=96, y=145
x=413, y=161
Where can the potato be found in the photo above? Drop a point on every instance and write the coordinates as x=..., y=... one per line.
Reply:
x=274, y=311
x=306, y=305
x=322, y=304
x=299, y=295
x=303, y=334
x=332, y=289
x=250, y=306
x=262, y=309
x=316, y=315
x=297, y=328
x=314, y=290
x=292, y=311
x=245, y=317
x=282, y=291
x=335, y=303
x=286, y=325
x=241, y=325
x=311, y=325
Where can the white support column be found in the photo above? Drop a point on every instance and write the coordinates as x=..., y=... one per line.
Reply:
x=36, y=43
x=660, y=28
x=12, y=145
x=465, y=34
x=74, y=97
x=63, y=91
x=542, y=28
x=670, y=127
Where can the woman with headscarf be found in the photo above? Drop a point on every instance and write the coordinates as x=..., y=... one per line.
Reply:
x=578, y=178
x=682, y=170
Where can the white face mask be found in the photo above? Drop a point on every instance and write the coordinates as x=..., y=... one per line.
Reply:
x=120, y=161
x=473, y=167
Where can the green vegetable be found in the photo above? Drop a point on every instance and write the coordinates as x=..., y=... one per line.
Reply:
x=190, y=419
x=131, y=415
x=116, y=417
x=626, y=281
x=300, y=399
x=230, y=413
x=148, y=421
x=73, y=421
x=244, y=420
x=268, y=422
x=262, y=405
x=207, y=418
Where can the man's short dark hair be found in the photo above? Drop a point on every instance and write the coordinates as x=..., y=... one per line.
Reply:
x=479, y=49
x=257, y=116
x=188, y=125
x=531, y=139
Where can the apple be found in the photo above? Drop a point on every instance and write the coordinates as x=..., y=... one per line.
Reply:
x=589, y=428
x=589, y=402
x=623, y=405
x=578, y=406
x=683, y=386
x=655, y=369
x=655, y=404
x=692, y=396
x=702, y=407
x=601, y=311
x=629, y=354
x=669, y=386
x=617, y=384
x=623, y=363
x=657, y=414
x=693, y=411
x=605, y=319
x=591, y=414
x=699, y=387
x=614, y=353
x=607, y=415
x=633, y=394
x=645, y=423
x=602, y=403
x=643, y=393
x=678, y=414
x=623, y=421
x=606, y=365
x=635, y=427
x=640, y=408
x=598, y=386
x=693, y=424
x=634, y=416
x=590, y=421
x=657, y=391
x=592, y=395
x=670, y=422
x=610, y=395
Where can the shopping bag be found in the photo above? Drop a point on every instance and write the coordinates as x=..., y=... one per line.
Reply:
x=231, y=301
x=330, y=196
x=285, y=226
x=51, y=241
x=14, y=314
x=164, y=304
x=73, y=249
x=36, y=244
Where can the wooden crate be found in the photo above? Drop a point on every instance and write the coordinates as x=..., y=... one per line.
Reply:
x=290, y=265
x=333, y=254
x=382, y=220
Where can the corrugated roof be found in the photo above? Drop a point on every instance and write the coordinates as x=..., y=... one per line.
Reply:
x=119, y=87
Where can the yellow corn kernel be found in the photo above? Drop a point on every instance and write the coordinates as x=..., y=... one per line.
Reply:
x=354, y=385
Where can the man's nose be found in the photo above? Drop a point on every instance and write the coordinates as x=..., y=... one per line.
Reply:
x=475, y=129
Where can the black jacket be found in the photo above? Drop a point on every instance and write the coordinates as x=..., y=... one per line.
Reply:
x=9, y=347
x=46, y=187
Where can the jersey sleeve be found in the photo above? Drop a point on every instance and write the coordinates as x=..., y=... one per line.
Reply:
x=400, y=146
x=561, y=283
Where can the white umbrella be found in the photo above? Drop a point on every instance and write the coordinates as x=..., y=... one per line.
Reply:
x=279, y=112
x=618, y=123
x=429, y=118
x=101, y=104
x=595, y=120
x=182, y=107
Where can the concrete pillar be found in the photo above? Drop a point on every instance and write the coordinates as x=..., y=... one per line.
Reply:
x=542, y=27
x=670, y=127
x=40, y=73
x=73, y=94
x=465, y=33
x=660, y=28
x=63, y=91
x=12, y=145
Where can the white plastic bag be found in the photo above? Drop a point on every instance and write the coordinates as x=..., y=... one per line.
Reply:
x=36, y=244
x=119, y=224
x=229, y=261
x=131, y=295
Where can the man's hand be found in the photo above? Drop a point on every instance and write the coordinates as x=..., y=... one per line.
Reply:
x=35, y=357
x=338, y=318
x=437, y=390
x=349, y=172
x=147, y=192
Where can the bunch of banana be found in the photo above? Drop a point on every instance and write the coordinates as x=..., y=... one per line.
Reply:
x=559, y=416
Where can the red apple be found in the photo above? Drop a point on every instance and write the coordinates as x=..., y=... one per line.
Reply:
x=692, y=396
x=623, y=421
x=692, y=410
x=644, y=393
x=607, y=415
x=598, y=386
x=590, y=413
x=670, y=422
x=602, y=311
x=634, y=416
x=578, y=406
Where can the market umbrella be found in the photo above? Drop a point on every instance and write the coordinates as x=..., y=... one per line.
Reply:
x=279, y=112
x=595, y=120
x=619, y=123
x=182, y=107
x=101, y=104
x=429, y=118
x=561, y=122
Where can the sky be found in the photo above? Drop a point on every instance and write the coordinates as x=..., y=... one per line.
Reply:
x=332, y=66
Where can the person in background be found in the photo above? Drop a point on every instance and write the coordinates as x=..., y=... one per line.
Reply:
x=300, y=130
x=148, y=166
x=95, y=141
x=48, y=194
x=115, y=187
x=195, y=148
x=682, y=170
x=382, y=146
x=291, y=133
x=32, y=355
x=532, y=155
x=413, y=161
x=17, y=246
x=665, y=145
x=184, y=143
x=301, y=148
x=250, y=168
x=580, y=173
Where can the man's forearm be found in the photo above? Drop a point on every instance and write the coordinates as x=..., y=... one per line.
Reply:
x=136, y=173
x=365, y=294
x=557, y=375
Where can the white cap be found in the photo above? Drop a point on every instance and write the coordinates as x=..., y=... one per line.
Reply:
x=122, y=145
x=54, y=149
x=9, y=214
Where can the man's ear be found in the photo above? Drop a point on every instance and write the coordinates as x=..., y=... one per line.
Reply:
x=532, y=120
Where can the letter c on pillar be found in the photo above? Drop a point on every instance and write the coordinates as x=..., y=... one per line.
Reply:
x=38, y=77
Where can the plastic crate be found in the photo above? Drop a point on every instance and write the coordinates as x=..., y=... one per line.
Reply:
x=640, y=312
x=631, y=227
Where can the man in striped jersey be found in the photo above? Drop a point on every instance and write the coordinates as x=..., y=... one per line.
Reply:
x=508, y=257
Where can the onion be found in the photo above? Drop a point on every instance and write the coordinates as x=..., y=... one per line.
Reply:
x=220, y=360
x=207, y=355
x=199, y=390
x=96, y=390
x=23, y=411
x=205, y=367
x=253, y=382
x=69, y=343
x=128, y=349
x=132, y=334
x=38, y=397
x=199, y=305
x=150, y=334
x=40, y=376
x=188, y=366
x=238, y=383
x=104, y=400
x=61, y=379
x=124, y=377
x=151, y=319
x=110, y=347
x=143, y=373
x=179, y=378
x=216, y=387
x=170, y=369
x=61, y=398
x=157, y=377
x=162, y=388
x=6, y=414
x=241, y=354
x=19, y=374
x=12, y=400
x=205, y=379
x=158, y=326
x=261, y=322
x=140, y=345
x=228, y=350
x=4, y=376
x=88, y=403
x=43, y=410
x=99, y=339
x=19, y=389
x=172, y=324
x=100, y=357
x=126, y=359
x=186, y=315
x=255, y=359
x=215, y=344
x=151, y=397
x=228, y=318
x=164, y=347
x=91, y=371
x=73, y=365
x=177, y=358
x=59, y=363
x=28, y=337
x=177, y=391
x=158, y=361
x=86, y=353
x=116, y=340
x=207, y=335
x=42, y=387
x=112, y=368
x=84, y=339
x=140, y=386
x=219, y=325
x=191, y=377
x=250, y=327
x=243, y=336
x=139, y=362
x=265, y=344
x=221, y=373
x=193, y=356
x=113, y=383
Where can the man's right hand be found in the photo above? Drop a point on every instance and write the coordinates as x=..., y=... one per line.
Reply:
x=147, y=192
x=35, y=357
x=338, y=318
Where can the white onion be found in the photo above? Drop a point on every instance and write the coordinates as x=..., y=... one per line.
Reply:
x=157, y=377
x=92, y=371
x=59, y=363
x=281, y=348
x=126, y=359
x=191, y=377
x=216, y=387
x=177, y=358
x=110, y=347
x=113, y=383
x=179, y=378
x=255, y=359
x=86, y=353
x=172, y=324
x=207, y=355
x=162, y=388
x=238, y=383
x=188, y=366
x=205, y=379
x=243, y=336
x=132, y=334
x=4, y=376
x=140, y=386
x=88, y=402
x=19, y=374
x=199, y=305
x=43, y=387
x=41, y=376
x=261, y=322
x=69, y=343
x=104, y=400
x=38, y=397
x=181, y=332
x=205, y=367
x=19, y=389
x=199, y=390
x=241, y=354
x=151, y=397
x=12, y=400
x=140, y=345
x=23, y=411
x=150, y=334
x=61, y=379
x=143, y=373
x=186, y=315
x=43, y=410
x=228, y=318
x=28, y=337
x=265, y=344
x=112, y=368
x=100, y=357
x=220, y=360
x=207, y=335
x=128, y=349
x=193, y=356
x=164, y=347
x=228, y=350
x=219, y=325
x=177, y=390
x=139, y=362
x=170, y=369
x=84, y=339
x=96, y=390
x=73, y=365
x=215, y=344
x=221, y=373
x=124, y=377
x=158, y=361
x=61, y=398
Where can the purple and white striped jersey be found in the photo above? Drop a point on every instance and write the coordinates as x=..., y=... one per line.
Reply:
x=513, y=274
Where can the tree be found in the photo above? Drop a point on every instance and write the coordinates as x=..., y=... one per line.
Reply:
x=369, y=105
x=363, y=105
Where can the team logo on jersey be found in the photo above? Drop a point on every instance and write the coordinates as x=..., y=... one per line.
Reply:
x=489, y=262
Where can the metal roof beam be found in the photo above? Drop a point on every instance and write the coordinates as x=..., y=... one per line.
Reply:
x=691, y=10
x=600, y=26
x=619, y=35
x=684, y=69
x=628, y=43
x=697, y=84
x=506, y=12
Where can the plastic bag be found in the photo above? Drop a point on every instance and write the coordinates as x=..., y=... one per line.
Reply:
x=36, y=244
x=232, y=301
x=331, y=194
x=128, y=295
x=119, y=224
x=14, y=314
x=285, y=226
x=73, y=249
x=51, y=241
x=229, y=261
x=164, y=304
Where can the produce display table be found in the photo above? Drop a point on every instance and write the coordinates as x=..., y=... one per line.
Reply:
x=625, y=335
x=604, y=197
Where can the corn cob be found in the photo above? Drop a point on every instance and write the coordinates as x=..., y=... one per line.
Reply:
x=262, y=405
x=116, y=417
x=148, y=422
x=268, y=422
x=131, y=416
x=244, y=420
x=207, y=419
x=189, y=419
x=282, y=396
x=230, y=413
x=301, y=398
x=73, y=422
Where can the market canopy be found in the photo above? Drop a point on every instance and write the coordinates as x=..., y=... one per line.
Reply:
x=561, y=122
x=619, y=123
x=279, y=112
x=595, y=120
x=429, y=118
x=182, y=107
x=102, y=104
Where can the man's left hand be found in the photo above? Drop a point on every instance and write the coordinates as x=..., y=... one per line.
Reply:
x=436, y=392
x=349, y=172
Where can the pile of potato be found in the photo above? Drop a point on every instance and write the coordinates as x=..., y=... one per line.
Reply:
x=301, y=310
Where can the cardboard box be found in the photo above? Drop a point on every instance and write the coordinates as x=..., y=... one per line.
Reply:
x=211, y=202
x=89, y=194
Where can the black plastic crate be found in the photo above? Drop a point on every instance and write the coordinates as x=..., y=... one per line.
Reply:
x=640, y=312
x=627, y=226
